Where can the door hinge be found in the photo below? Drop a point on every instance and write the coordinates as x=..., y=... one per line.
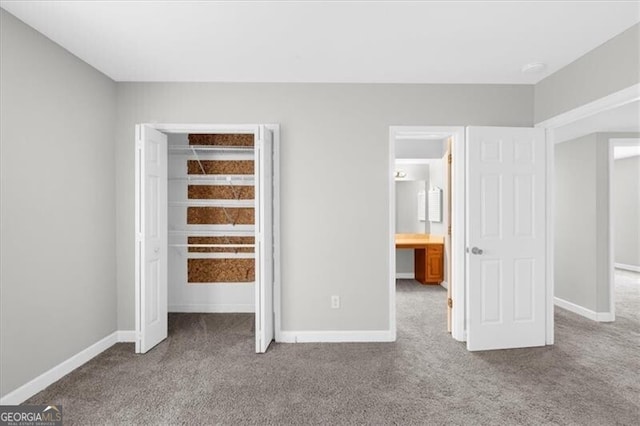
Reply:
x=450, y=158
x=449, y=230
x=450, y=302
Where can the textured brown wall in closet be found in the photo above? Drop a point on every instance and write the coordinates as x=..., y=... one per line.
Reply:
x=213, y=167
x=230, y=269
x=221, y=240
x=220, y=215
x=221, y=270
x=221, y=192
x=222, y=139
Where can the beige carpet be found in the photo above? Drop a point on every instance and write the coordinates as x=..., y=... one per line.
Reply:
x=206, y=373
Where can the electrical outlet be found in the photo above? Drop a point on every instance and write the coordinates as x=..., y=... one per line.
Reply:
x=335, y=302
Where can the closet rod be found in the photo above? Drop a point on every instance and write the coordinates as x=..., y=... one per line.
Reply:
x=212, y=233
x=205, y=255
x=189, y=148
x=213, y=203
x=248, y=179
x=214, y=245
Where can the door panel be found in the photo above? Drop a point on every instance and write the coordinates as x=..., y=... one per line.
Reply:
x=151, y=236
x=264, y=240
x=506, y=175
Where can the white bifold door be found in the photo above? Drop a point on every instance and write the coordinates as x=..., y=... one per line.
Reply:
x=506, y=237
x=151, y=237
x=264, y=250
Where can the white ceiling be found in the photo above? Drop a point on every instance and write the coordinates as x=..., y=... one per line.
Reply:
x=625, y=118
x=622, y=152
x=383, y=42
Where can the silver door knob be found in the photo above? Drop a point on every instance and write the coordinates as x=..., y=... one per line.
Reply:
x=157, y=250
x=476, y=250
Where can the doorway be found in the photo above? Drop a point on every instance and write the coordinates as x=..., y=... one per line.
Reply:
x=207, y=226
x=624, y=232
x=499, y=244
x=589, y=258
x=427, y=237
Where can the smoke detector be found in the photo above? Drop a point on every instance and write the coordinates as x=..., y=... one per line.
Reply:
x=534, y=67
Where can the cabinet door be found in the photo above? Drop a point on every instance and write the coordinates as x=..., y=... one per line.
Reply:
x=434, y=264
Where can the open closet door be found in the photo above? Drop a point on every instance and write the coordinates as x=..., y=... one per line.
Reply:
x=151, y=238
x=264, y=240
x=506, y=236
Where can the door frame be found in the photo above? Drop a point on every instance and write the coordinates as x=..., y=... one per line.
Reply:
x=457, y=133
x=232, y=128
x=605, y=103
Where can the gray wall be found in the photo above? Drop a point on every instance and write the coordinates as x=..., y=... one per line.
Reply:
x=613, y=66
x=407, y=218
x=582, y=220
x=326, y=129
x=575, y=221
x=437, y=178
x=626, y=210
x=57, y=281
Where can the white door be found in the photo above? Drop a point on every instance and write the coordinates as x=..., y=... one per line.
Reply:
x=506, y=235
x=151, y=237
x=264, y=240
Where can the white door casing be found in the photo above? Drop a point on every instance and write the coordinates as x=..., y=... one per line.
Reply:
x=151, y=237
x=506, y=237
x=264, y=249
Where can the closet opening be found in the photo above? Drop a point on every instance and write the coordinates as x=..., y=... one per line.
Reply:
x=426, y=196
x=207, y=233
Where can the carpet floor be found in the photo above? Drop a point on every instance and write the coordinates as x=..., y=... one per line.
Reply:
x=206, y=373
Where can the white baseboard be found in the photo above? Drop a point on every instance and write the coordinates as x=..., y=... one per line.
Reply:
x=605, y=317
x=626, y=267
x=445, y=285
x=581, y=310
x=126, y=336
x=336, y=336
x=213, y=308
x=34, y=386
x=51, y=376
x=405, y=276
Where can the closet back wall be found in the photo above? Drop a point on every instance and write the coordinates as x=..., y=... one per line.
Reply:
x=334, y=177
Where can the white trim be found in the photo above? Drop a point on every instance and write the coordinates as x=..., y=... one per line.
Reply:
x=610, y=254
x=392, y=231
x=126, y=336
x=458, y=235
x=626, y=267
x=137, y=249
x=213, y=308
x=457, y=216
x=336, y=336
x=49, y=377
x=614, y=100
x=405, y=275
x=550, y=218
x=444, y=285
x=205, y=128
x=582, y=311
x=605, y=316
x=277, y=286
